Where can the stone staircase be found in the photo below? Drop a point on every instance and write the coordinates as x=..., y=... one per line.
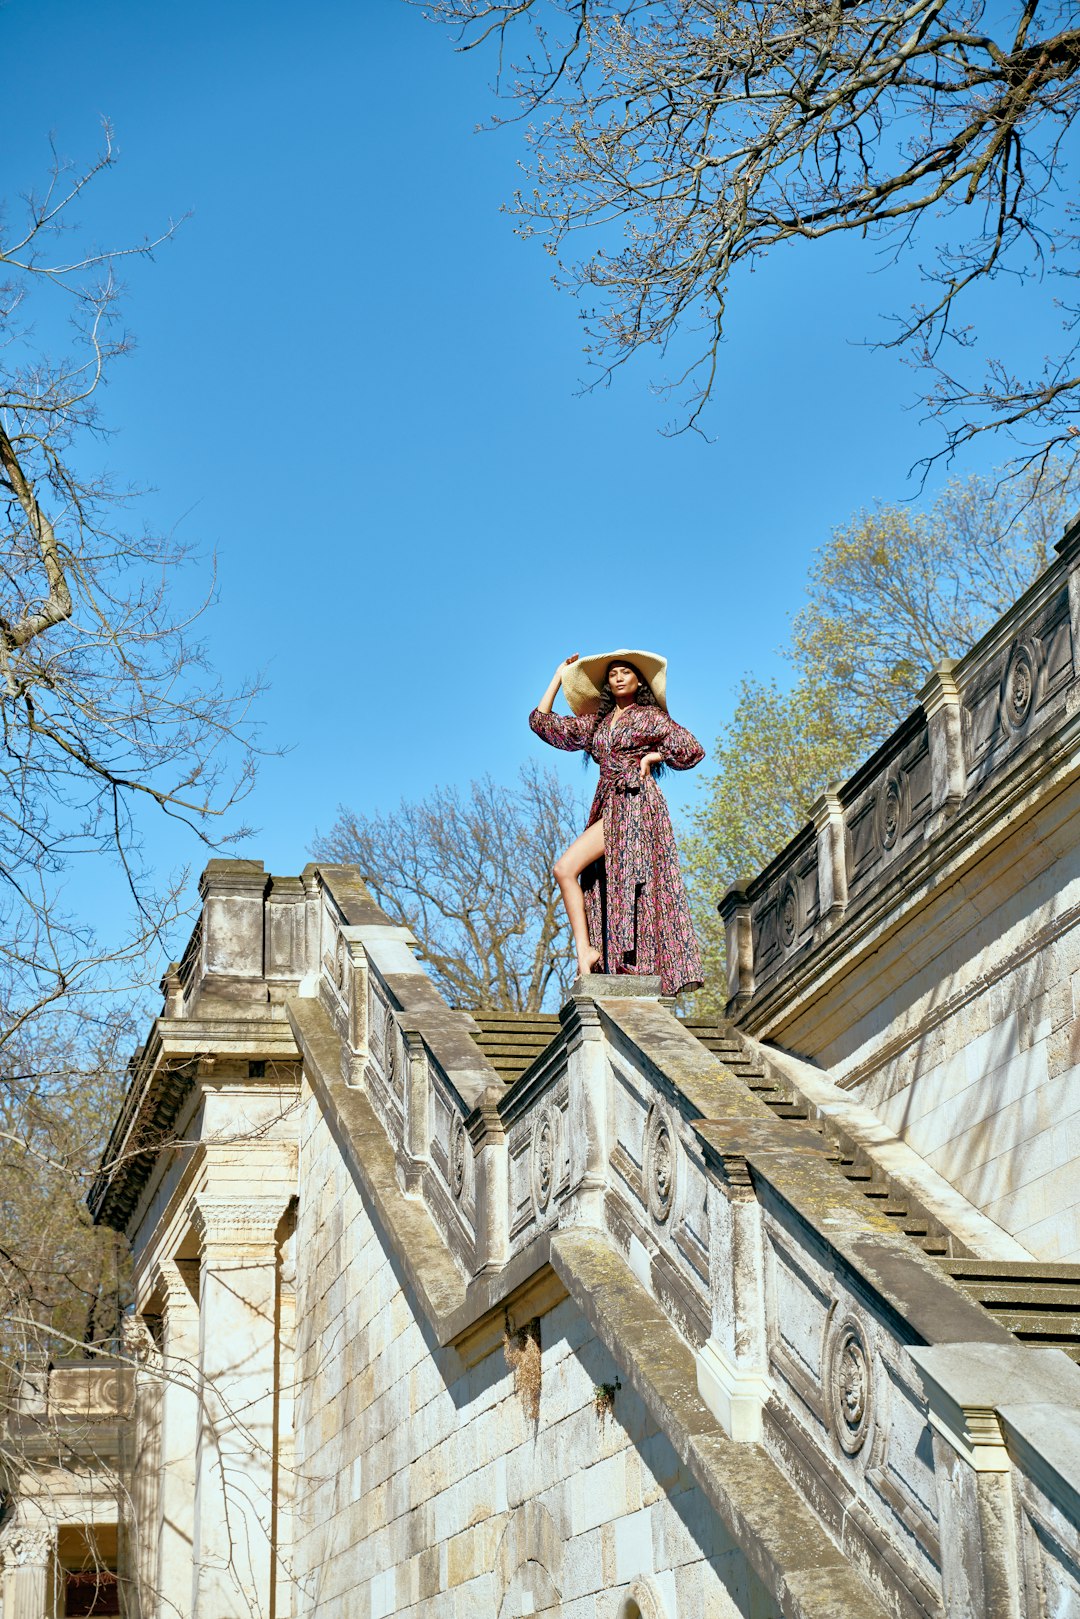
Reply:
x=1038, y=1302
x=511, y=1041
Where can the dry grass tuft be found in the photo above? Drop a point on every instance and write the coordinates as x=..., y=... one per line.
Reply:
x=521, y=1346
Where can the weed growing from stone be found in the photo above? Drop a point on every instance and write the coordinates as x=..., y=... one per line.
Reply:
x=523, y=1358
x=604, y=1400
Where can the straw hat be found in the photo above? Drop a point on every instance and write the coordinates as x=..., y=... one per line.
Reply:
x=583, y=681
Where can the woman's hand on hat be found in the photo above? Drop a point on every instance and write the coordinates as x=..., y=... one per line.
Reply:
x=565, y=664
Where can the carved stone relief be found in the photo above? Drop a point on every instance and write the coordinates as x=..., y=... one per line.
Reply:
x=457, y=1156
x=848, y=1385
x=1018, y=686
x=545, y=1157
x=889, y=810
x=787, y=915
x=660, y=1158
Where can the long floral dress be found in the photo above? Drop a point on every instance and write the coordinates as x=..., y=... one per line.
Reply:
x=635, y=900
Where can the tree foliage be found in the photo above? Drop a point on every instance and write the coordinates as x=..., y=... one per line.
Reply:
x=470, y=874
x=677, y=141
x=892, y=593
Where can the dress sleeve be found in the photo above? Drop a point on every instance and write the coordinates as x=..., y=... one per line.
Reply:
x=574, y=733
x=681, y=750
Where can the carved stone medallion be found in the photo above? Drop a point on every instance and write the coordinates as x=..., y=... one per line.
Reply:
x=787, y=915
x=888, y=812
x=457, y=1156
x=390, y=1045
x=848, y=1387
x=1018, y=687
x=660, y=1161
x=544, y=1157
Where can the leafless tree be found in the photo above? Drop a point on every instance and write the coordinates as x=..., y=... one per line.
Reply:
x=107, y=703
x=471, y=875
x=703, y=134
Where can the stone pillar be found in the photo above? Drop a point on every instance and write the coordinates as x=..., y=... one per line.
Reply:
x=140, y=1463
x=416, y=1144
x=828, y=817
x=175, y=1528
x=732, y=1365
x=734, y=910
x=964, y=1384
x=589, y=1083
x=283, y=1603
x=490, y=1159
x=941, y=702
x=28, y=1569
x=235, y=1457
x=233, y=893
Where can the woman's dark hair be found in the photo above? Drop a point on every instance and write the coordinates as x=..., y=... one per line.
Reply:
x=643, y=698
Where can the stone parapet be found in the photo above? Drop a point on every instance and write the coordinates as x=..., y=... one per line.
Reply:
x=628, y=1154
x=992, y=729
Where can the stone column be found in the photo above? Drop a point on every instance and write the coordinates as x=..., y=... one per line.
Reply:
x=734, y=911
x=28, y=1565
x=828, y=818
x=175, y=1528
x=964, y=1384
x=733, y=1364
x=282, y=1583
x=491, y=1162
x=140, y=1462
x=233, y=895
x=235, y=1458
x=941, y=702
x=589, y=1110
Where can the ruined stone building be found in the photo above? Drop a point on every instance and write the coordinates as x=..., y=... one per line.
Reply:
x=606, y=1315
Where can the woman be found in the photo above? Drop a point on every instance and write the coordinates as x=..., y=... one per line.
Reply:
x=620, y=880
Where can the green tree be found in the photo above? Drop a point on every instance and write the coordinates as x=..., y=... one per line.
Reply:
x=893, y=592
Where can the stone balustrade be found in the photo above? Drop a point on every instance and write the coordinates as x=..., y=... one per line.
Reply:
x=818, y=1331
x=876, y=844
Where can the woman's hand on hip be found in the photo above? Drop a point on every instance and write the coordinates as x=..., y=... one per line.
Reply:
x=647, y=762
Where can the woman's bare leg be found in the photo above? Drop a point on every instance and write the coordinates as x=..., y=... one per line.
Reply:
x=567, y=870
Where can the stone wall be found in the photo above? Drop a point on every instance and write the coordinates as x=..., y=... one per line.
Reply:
x=425, y=1487
x=918, y=939
x=974, y=1063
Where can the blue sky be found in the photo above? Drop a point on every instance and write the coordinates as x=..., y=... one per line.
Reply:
x=360, y=388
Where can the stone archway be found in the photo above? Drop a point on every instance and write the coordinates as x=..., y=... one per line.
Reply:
x=527, y=1565
x=642, y=1601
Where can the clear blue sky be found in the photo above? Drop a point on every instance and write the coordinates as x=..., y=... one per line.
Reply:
x=357, y=385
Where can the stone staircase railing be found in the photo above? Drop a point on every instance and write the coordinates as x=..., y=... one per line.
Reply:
x=823, y=1341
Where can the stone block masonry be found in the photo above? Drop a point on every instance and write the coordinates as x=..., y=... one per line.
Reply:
x=424, y=1487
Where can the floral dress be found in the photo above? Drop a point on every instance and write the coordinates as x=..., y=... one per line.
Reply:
x=635, y=900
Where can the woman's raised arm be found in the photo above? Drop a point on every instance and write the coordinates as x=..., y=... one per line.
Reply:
x=572, y=734
x=547, y=702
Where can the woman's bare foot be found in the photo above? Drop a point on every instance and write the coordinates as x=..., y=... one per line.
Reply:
x=588, y=961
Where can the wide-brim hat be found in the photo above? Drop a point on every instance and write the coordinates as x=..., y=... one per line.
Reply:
x=583, y=681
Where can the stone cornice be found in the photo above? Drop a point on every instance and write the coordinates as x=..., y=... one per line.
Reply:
x=164, y=1075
